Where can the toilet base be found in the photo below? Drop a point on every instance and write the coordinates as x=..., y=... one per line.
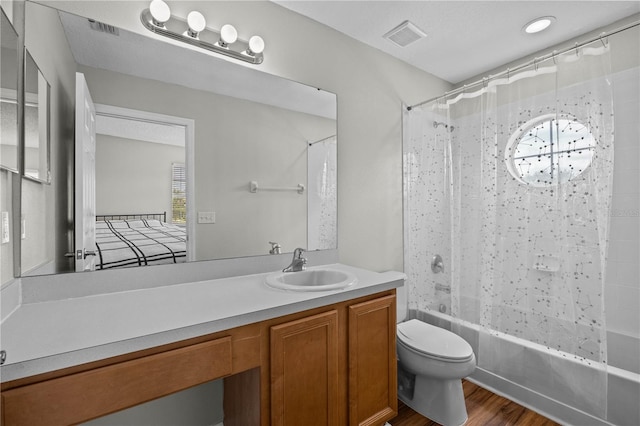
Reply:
x=439, y=400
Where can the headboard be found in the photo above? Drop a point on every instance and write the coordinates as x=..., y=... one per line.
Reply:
x=157, y=216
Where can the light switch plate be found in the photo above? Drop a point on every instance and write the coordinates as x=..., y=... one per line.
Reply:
x=5, y=227
x=206, y=217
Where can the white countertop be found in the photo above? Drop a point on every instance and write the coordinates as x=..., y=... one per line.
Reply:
x=47, y=336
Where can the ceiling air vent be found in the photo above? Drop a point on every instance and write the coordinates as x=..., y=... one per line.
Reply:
x=405, y=34
x=103, y=28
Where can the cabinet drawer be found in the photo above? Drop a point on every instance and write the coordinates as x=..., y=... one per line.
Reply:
x=84, y=396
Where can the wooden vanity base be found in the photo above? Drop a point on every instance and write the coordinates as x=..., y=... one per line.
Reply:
x=276, y=372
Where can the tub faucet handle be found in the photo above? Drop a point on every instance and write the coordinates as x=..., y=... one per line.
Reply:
x=437, y=265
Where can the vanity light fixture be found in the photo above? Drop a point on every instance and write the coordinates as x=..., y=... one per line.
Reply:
x=538, y=24
x=158, y=19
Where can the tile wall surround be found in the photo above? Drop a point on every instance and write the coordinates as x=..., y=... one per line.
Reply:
x=622, y=281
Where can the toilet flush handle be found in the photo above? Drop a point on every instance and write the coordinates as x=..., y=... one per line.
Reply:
x=437, y=265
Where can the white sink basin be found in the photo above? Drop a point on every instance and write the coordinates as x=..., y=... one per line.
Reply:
x=311, y=280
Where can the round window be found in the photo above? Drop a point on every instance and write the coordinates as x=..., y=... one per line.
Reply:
x=549, y=150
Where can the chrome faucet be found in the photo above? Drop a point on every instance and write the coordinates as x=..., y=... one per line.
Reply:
x=275, y=248
x=298, y=263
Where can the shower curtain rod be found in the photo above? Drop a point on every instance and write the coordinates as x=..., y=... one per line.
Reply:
x=322, y=140
x=534, y=61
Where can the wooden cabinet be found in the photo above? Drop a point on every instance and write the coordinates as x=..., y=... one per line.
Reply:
x=84, y=396
x=304, y=371
x=372, y=362
x=335, y=367
x=87, y=391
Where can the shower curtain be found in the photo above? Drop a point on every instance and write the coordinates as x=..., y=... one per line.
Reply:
x=322, y=198
x=512, y=182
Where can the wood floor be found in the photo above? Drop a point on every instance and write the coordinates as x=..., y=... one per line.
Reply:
x=484, y=409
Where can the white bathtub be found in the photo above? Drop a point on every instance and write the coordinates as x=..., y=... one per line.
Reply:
x=554, y=402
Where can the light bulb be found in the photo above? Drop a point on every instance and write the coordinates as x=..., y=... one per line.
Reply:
x=228, y=35
x=256, y=45
x=196, y=23
x=160, y=12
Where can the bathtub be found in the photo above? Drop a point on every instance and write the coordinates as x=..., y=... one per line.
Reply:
x=554, y=402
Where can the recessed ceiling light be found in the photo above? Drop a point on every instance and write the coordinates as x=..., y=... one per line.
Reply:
x=538, y=24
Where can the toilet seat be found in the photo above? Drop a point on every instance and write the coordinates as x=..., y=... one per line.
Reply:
x=434, y=342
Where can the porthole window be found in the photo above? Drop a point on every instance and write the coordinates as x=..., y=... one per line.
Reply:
x=549, y=150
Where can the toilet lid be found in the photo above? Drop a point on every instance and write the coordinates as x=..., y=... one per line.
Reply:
x=433, y=341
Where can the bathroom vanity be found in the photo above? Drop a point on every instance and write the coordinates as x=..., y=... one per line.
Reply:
x=287, y=357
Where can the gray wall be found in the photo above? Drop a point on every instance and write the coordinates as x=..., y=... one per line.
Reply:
x=134, y=176
x=6, y=250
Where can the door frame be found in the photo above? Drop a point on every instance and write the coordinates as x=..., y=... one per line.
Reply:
x=189, y=125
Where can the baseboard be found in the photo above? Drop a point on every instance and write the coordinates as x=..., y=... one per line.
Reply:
x=552, y=409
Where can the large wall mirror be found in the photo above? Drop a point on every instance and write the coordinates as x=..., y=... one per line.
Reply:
x=194, y=157
x=8, y=141
x=36, y=122
x=8, y=96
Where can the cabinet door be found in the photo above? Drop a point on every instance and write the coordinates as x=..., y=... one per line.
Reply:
x=372, y=362
x=304, y=371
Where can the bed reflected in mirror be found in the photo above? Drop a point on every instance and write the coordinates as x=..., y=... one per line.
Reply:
x=138, y=240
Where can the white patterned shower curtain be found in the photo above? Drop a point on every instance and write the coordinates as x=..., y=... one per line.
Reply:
x=511, y=183
x=322, y=198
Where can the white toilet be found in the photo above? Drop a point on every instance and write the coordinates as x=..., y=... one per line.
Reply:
x=431, y=364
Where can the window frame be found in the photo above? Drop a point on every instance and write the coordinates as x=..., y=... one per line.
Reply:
x=516, y=138
x=178, y=179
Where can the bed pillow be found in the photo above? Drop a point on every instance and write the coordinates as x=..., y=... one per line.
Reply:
x=117, y=224
x=136, y=223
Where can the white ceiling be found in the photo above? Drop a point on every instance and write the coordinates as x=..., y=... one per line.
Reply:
x=464, y=38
